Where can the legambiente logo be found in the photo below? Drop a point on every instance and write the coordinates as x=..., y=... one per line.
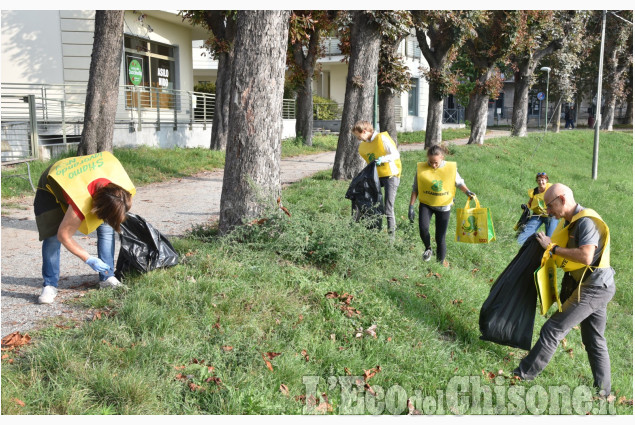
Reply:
x=463, y=395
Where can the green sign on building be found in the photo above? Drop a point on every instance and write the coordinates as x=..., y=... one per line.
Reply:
x=135, y=72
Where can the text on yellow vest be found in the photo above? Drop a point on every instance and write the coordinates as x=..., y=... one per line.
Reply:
x=372, y=150
x=73, y=175
x=437, y=187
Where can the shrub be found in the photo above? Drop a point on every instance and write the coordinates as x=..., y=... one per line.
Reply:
x=325, y=109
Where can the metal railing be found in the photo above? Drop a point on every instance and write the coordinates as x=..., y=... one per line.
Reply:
x=53, y=114
x=453, y=115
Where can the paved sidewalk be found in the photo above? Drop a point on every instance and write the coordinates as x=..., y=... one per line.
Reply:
x=172, y=207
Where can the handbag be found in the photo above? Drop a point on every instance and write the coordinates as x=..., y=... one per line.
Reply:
x=474, y=225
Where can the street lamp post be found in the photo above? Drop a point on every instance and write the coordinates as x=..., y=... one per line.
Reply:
x=546, y=68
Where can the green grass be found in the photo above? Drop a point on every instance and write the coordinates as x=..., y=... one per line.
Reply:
x=148, y=165
x=263, y=290
x=420, y=136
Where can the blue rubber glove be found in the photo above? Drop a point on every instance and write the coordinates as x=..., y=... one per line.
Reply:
x=380, y=160
x=411, y=213
x=97, y=265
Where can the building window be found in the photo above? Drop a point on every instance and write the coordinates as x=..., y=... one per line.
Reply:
x=150, y=67
x=413, y=97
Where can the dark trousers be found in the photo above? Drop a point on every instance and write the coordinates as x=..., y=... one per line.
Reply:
x=590, y=313
x=441, y=220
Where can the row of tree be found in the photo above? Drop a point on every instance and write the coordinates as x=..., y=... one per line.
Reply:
x=466, y=53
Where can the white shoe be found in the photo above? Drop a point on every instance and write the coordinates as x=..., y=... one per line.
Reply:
x=111, y=282
x=427, y=254
x=48, y=295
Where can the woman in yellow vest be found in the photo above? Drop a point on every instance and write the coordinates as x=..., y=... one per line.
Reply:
x=84, y=193
x=435, y=184
x=380, y=147
x=539, y=211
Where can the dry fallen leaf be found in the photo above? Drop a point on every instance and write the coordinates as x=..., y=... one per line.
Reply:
x=267, y=362
x=411, y=408
x=306, y=356
x=371, y=331
x=570, y=351
x=370, y=390
x=371, y=372
x=324, y=406
x=272, y=355
x=424, y=296
x=284, y=389
x=14, y=340
x=227, y=347
x=18, y=402
x=456, y=302
x=347, y=371
x=195, y=387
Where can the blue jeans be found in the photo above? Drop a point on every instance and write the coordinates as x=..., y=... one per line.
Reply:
x=51, y=254
x=534, y=224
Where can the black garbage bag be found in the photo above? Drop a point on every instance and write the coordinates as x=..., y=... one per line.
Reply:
x=365, y=195
x=143, y=248
x=522, y=221
x=508, y=314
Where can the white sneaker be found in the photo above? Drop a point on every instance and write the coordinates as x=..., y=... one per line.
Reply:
x=111, y=282
x=48, y=295
x=427, y=254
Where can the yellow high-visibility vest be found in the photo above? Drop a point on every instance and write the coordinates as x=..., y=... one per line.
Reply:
x=538, y=201
x=372, y=150
x=437, y=187
x=560, y=237
x=73, y=175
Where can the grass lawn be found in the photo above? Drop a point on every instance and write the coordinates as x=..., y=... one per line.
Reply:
x=203, y=337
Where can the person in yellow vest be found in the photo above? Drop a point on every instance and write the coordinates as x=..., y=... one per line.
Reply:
x=434, y=185
x=539, y=212
x=380, y=147
x=581, y=247
x=85, y=193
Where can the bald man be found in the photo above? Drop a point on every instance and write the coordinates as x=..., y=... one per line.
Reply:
x=581, y=247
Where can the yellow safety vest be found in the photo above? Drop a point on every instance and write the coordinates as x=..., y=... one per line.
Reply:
x=73, y=175
x=538, y=201
x=436, y=187
x=374, y=149
x=561, y=236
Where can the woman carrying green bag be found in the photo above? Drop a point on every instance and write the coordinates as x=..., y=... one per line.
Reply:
x=435, y=185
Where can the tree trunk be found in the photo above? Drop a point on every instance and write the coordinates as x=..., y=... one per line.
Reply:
x=479, y=116
x=472, y=107
x=304, y=113
x=609, y=112
x=556, y=121
x=220, y=123
x=521, y=102
x=360, y=91
x=103, y=83
x=387, y=113
x=628, y=115
x=251, y=181
x=435, y=117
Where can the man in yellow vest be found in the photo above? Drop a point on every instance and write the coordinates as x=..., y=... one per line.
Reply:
x=380, y=147
x=85, y=193
x=581, y=247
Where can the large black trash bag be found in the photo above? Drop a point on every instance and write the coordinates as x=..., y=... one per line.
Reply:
x=365, y=195
x=143, y=248
x=507, y=315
